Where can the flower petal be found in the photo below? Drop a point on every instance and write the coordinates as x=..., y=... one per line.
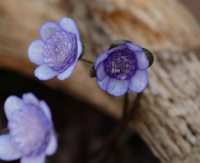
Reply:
x=35, y=51
x=139, y=81
x=53, y=144
x=134, y=47
x=142, y=61
x=46, y=109
x=100, y=58
x=12, y=104
x=64, y=75
x=44, y=72
x=48, y=29
x=80, y=48
x=36, y=159
x=8, y=152
x=117, y=87
x=103, y=83
x=30, y=98
x=100, y=72
x=69, y=25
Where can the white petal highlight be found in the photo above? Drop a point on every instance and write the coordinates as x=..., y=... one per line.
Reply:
x=48, y=29
x=80, y=48
x=45, y=108
x=103, y=83
x=29, y=98
x=117, y=87
x=52, y=146
x=100, y=58
x=139, y=81
x=36, y=159
x=7, y=151
x=35, y=52
x=69, y=25
x=44, y=72
x=12, y=104
x=66, y=74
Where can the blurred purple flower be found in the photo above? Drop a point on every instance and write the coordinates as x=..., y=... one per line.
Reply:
x=31, y=135
x=122, y=68
x=57, y=51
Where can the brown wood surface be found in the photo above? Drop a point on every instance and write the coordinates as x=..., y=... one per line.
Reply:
x=168, y=119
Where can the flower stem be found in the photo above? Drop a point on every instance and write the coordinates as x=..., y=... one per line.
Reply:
x=86, y=60
x=112, y=138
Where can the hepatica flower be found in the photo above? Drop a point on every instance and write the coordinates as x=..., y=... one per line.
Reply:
x=121, y=68
x=58, y=50
x=31, y=135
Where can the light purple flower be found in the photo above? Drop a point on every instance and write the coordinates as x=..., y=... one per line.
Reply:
x=31, y=135
x=121, y=68
x=58, y=50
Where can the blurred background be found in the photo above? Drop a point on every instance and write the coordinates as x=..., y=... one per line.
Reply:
x=79, y=124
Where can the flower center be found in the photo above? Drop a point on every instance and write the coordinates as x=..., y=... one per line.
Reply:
x=30, y=130
x=121, y=64
x=60, y=51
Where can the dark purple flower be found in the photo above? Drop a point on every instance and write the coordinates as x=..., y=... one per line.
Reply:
x=122, y=68
x=31, y=135
x=58, y=50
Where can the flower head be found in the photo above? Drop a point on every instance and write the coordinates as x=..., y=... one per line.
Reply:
x=31, y=135
x=121, y=68
x=58, y=50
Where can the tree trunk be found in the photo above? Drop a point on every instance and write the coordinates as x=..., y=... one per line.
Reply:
x=168, y=119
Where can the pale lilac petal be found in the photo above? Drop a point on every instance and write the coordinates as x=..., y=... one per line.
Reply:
x=80, y=48
x=142, y=61
x=48, y=29
x=30, y=98
x=134, y=47
x=52, y=146
x=44, y=72
x=35, y=52
x=12, y=104
x=103, y=83
x=100, y=58
x=64, y=75
x=117, y=87
x=100, y=72
x=139, y=81
x=8, y=152
x=69, y=25
x=36, y=159
x=45, y=109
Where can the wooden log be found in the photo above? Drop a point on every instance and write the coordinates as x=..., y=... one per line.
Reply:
x=168, y=119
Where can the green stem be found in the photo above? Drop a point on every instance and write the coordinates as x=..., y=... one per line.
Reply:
x=86, y=60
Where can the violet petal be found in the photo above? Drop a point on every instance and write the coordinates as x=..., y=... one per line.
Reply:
x=100, y=72
x=8, y=151
x=117, y=87
x=69, y=25
x=48, y=29
x=44, y=72
x=139, y=81
x=35, y=52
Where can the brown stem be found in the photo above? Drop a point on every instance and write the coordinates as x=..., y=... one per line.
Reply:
x=119, y=129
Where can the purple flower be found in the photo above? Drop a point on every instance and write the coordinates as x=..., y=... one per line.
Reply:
x=121, y=68
x=58, y=50
x=31, y=135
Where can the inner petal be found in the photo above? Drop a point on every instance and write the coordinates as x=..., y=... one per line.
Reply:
x=30, y=130
x=60, y=51
x=121, y=64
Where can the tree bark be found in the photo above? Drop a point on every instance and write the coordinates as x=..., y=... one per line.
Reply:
x=168, y=119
